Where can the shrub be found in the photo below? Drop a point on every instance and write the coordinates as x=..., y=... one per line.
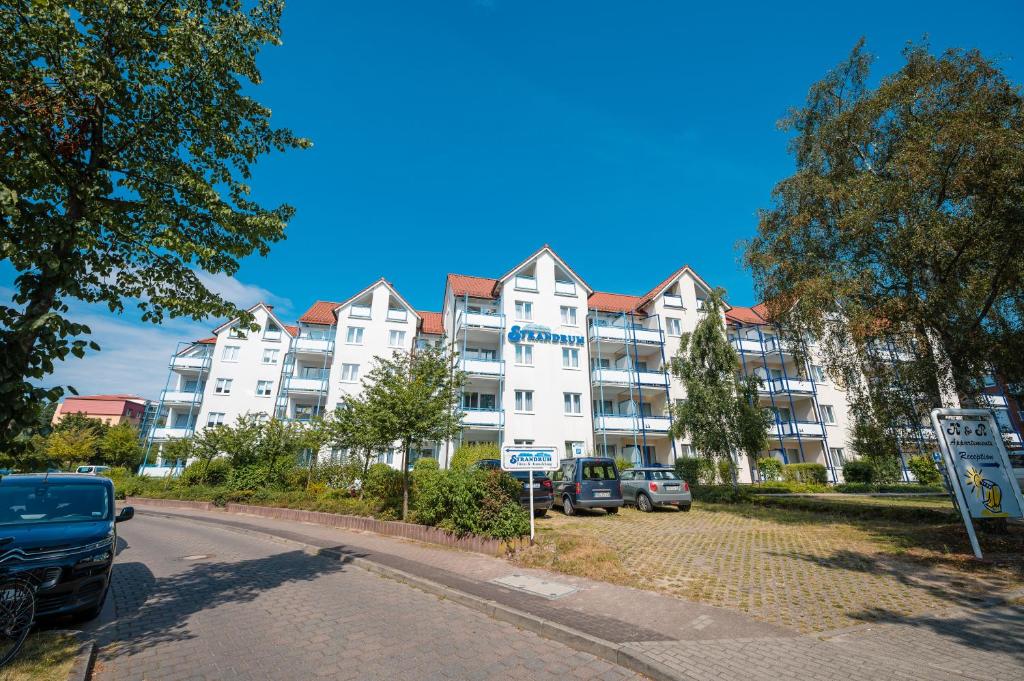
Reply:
x=383, y=484
x=785, y=487
x=470, y=502
x=214, y=472
x=623, y=464
x=770, y=468
x=337, y=475
x=467, y=455
x=888, y=469
x=696, y=470
x=721, y=494
x=805, y=472
x=924, y=470
x=725, y=469
x=859, y=471
x=873, y=470
x=253, y=477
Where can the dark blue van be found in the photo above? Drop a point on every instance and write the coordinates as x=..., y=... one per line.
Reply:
x=588, y=482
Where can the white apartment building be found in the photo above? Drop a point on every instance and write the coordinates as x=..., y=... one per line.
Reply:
x=547, y=359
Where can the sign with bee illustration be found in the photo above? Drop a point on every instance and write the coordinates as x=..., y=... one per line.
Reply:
x=977, y=466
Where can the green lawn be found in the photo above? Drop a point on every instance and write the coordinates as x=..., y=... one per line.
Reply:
x=46, y=656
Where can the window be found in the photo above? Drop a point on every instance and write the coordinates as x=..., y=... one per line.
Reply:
x=272, y=332
x=989, y=380
x=263, y=388
x=270, y=356
x=828, y=415
x=354, y=336
x=389, y=458
x=523, y=442
x=524, y=310
x=572, y=404
x=230, y=353
x=570, y=358
x=481, y=353
x=524, y=355
x=674, y=326
x=606, y=450
x=568, y=315
x=838, y=456
x=524, y=400
x=223, y=386
x=396, y=338
x=478, y=401
x=349, y=373
x=593, y=470
x=817, y=373
x=603, y=407
x=215, y=418
x=573, y=449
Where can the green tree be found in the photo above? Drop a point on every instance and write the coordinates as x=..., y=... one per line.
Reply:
x=120, y=446
x=413, y=399
x=353, y=428
x=72, y=447
x=126, y=141
x=720, y=414
x=903, y=224
x=79, y=421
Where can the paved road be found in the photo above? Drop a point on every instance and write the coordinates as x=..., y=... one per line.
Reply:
x=195, y=601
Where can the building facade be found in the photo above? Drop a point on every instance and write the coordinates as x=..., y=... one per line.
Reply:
x=111, y=409
x=547, y=360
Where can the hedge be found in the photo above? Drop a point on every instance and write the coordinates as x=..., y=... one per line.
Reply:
x=805, y=472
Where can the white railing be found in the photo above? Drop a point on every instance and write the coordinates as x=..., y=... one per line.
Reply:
x=658, y=378
x=488, y=418
x=190, y=362
x=567, y=288
x=1012, y=438
x=673, y=301
x=802, y=428
x=479, y=320
x=181, y=396
x=994, y=400
x=626, y=334
x=486, y=367
x=171, y=433
x=747, y=344
x=791, y=385
x=655, y=424
x=525, y=283
x=306, y=385
x=318, y=345
x=610, y=376
x=396, y=315
x=359, y=311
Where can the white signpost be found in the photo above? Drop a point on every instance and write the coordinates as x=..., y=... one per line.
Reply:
x=529, y=458
x=978, y=467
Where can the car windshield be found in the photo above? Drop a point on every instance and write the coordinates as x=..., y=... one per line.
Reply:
x=664, y=475
x=599, y=471
x=48, y=502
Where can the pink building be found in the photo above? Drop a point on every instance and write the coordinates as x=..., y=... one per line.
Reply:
x=111, y=409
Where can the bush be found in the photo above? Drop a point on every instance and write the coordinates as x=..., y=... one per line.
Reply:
x=924, y=470
x=859, y=471
x=785, y=487
x=873, y=470
x=252, y=477
x=770, y=468
x=623, y=464
x=721, y=494
x=383, y=484
x=725, y=470
x=466, y=455
x=696, y=470
x=470, y=502
x=337, y=475
x=814, y=473
x=214, y=473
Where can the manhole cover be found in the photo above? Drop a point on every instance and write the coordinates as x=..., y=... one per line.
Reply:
x=536, y=586
x=198, y=556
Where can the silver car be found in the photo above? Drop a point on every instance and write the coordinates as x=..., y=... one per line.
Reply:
x=654, y=486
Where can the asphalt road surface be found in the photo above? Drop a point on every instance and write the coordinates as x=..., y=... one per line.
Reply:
x=195, y=601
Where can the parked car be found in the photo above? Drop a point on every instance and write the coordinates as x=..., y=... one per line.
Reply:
x=59, y=531
x=92, y=470
x=542, y=487
x=648, y=487
x=588, y=482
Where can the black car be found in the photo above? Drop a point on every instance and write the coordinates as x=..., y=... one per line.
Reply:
x=542, y=487
x=59, y=531
x=588, y=482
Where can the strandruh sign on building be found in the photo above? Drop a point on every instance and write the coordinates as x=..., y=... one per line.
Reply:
x=977, y=466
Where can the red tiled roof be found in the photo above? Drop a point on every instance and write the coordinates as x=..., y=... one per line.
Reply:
x=135, y=398
x=207, y=341
x=475, y=287
x=292, y=330
x=322, y=312
x=650, y=295
x=748, y=315
x=612, y=302
x=432, y=322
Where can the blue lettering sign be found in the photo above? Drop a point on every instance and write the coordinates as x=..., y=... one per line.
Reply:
x=517, y=334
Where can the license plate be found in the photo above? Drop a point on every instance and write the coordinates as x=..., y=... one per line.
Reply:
x=602, y=493
x=536, y=485
x=671, y=486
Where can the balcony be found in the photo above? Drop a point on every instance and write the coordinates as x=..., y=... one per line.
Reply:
x=631, y=423
x=626, y=334
x=672, y=301
x=397, y=315
x=625, y=377
x=306, y=384
x=1012, y=438
x=791, y=385
x=314, y=345
x=172, y=432
x=482, y=418
x=479, y=320
x=1015, y=388
x=181, y=397
x=525, y=283
x=995, y=401
x=800, y=428
x=482, y=367
x=359, y=312
x=565, y=288
x=190, y=363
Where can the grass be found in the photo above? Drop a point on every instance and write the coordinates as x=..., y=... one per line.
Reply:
x=46, y=656
x=810, y=569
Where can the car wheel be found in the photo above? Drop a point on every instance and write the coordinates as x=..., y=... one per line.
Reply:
x=685, y=507
x=643, y=502
x=540, y=513
x=613, y=510
x=567, y=506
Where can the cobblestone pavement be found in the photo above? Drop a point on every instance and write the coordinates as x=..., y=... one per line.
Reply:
x=786, y=568
x=194, y=601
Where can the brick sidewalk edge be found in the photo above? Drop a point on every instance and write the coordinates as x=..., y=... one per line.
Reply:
x=81, y=670
x=577, y=640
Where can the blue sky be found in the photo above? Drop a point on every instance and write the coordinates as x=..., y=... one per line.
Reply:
x=459, y=136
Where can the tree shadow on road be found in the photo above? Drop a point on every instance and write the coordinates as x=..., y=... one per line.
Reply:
x=152, y=611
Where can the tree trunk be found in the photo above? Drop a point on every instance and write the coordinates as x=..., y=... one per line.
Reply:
x=735, y=473
x=405, y=480
x=366, y=467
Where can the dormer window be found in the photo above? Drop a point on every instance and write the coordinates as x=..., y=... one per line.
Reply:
x=564, y=284
x=272, y=332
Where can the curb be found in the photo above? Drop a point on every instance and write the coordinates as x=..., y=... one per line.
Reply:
x=81, y=670
x=553, y=631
